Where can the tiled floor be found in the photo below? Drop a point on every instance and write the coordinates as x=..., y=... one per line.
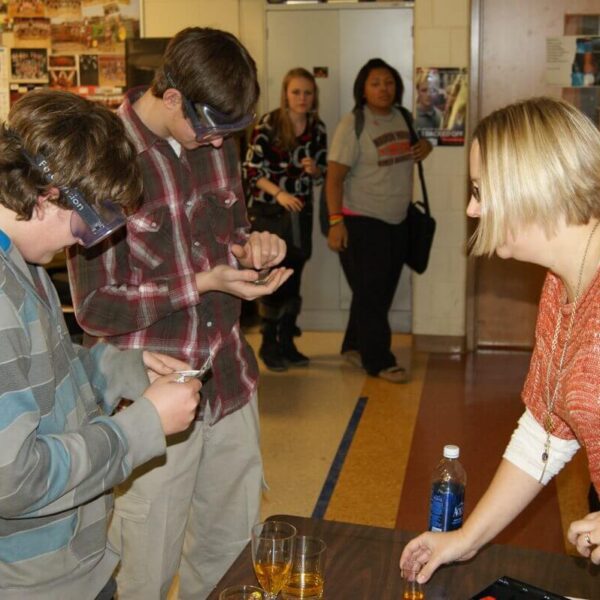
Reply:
x=471, y=400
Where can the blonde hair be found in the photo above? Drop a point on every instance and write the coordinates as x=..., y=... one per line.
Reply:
x=540, y=162
x=283, y=128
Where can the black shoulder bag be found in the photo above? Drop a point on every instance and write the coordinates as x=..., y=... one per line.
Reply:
x=421, y=225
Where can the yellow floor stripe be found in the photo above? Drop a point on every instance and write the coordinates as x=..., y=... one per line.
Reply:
x=370, y=484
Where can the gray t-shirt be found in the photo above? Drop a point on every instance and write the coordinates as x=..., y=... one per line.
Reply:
x=380, y=180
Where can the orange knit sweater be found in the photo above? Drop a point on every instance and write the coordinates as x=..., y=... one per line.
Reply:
x=577, y=404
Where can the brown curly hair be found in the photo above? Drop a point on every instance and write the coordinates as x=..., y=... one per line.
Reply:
x=211, y=67
x=86, y=147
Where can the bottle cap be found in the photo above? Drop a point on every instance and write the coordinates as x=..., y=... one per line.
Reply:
x=451, y=451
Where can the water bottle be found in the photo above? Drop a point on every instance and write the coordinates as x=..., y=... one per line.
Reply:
x=447, y=492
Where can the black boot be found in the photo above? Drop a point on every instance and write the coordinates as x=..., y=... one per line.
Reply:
x=269, y=351
x=290, y=353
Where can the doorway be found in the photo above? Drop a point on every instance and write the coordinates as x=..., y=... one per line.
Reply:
x=334, y=42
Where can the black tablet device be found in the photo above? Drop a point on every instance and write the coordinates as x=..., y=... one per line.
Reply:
x=507, y=588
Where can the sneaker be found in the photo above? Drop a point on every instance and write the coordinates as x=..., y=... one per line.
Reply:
x=394, y=374
x=353, y=358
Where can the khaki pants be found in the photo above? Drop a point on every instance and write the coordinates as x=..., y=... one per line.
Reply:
x=190, y=511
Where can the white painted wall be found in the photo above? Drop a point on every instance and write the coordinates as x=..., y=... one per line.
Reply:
x=439, y=296
x=163, y=18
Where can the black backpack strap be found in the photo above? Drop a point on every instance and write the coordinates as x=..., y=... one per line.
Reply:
x=414, y=138
x=359, y=121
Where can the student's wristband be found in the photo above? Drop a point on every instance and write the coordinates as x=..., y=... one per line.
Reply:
x=277, y=194
x=335, y=220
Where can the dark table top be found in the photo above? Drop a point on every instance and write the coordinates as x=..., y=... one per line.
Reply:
x=362, y=564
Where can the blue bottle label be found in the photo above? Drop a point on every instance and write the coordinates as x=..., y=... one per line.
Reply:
x=447, y=505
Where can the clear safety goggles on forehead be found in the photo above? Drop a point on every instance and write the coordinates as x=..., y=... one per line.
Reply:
x=90, y=224
x=208, y=123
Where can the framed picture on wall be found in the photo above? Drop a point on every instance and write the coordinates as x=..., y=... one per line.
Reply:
x=29, y=65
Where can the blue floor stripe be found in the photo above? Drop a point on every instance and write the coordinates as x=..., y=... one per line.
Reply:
x=338, y=461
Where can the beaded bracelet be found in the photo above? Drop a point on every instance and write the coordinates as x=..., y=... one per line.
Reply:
x=277, y=194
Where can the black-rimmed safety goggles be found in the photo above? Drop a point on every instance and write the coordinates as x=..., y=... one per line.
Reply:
x=90, y=224
x=208, y=123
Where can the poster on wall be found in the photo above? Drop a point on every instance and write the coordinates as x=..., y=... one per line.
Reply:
x=585, y=97
x=441, y=105
x=64, y=9
x=26, y=8
x=63, y=70
x=29, y=65
x=31, y=32
x=582, y=25
x=101, y=26
x=573, y=60
x=88, y=69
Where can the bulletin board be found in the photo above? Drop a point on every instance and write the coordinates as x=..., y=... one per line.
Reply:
x=584, y=88
x=77, y=45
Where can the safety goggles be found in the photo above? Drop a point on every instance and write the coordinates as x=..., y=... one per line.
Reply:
x=208, y=123
x=90, y=224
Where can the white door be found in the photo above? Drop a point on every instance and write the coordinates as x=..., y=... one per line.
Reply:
x=342, y=40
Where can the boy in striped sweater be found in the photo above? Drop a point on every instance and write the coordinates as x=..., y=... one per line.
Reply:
x=67, y=175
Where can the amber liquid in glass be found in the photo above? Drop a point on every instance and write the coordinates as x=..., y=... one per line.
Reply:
x=416, y=595
x=272, y=576
x=304, y=586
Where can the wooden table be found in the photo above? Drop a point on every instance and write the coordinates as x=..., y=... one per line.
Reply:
x=362, y=564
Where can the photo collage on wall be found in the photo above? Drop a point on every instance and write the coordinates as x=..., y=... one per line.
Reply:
x=77, y=45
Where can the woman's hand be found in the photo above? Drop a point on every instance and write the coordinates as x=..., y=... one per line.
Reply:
x=289, y=202
x=337, y=238
x=310, y=166
x=425, y=553
x=585, y=536
x=421, y=150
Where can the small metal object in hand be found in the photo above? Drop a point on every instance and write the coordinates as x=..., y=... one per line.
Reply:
x=183, y=376
x=263, y=277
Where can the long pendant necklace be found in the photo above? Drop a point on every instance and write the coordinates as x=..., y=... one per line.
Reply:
x=551, y=398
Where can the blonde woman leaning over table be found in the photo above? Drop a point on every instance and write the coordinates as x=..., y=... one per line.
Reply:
x=535, y=172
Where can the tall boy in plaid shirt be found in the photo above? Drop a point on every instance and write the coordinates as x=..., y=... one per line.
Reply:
x=174, y=283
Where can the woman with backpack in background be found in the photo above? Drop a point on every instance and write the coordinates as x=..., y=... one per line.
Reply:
x=369, y=188
x=286, y=157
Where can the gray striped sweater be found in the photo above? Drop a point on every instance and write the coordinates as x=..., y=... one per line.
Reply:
x=60, y=454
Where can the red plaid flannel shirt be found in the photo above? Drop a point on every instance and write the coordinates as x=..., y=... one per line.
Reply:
x=137, y=289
